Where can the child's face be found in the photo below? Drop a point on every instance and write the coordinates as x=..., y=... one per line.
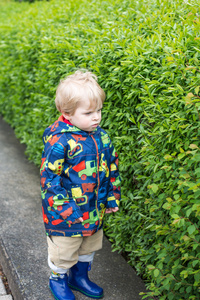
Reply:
x=86, y=117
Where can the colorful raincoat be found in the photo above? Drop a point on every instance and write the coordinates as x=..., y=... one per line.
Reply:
x=79, y=178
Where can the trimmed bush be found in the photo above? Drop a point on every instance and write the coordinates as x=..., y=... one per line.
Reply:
x=146, y=55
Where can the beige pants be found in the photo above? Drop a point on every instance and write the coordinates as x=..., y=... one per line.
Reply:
x=64, y=252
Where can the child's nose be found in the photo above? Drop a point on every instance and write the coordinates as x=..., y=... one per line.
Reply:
x=95, y=116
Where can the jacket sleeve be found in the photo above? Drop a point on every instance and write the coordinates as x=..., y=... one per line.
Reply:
x=54, y=195
x=114, y=194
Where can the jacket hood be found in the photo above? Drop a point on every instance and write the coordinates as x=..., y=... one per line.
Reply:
x=59, y=127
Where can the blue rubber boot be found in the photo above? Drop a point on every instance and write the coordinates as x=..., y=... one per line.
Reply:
x=78, y=280
x=59, y=288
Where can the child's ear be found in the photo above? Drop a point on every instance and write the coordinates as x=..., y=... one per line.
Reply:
x=66, y=115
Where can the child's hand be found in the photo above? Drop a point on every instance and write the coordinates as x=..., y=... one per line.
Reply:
x=111, y=209
x=79, y=220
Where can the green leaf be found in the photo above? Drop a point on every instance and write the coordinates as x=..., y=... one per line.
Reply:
x=191, y=229
x=197, y=90
x=197, y=277
x=195, y=262
x=193, y=146
x=154, y=188
x=156, y=272
x=167, y=205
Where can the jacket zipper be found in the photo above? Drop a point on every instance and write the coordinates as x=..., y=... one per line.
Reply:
x=98, y=179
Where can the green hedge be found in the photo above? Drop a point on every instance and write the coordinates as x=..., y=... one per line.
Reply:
x=146, y=55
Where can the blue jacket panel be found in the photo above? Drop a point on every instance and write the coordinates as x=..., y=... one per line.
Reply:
x=79, y=178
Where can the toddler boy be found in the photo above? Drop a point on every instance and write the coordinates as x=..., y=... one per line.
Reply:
x=79, y=184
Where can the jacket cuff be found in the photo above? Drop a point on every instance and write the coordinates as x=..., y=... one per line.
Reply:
x=112, y=202
x=71, y=212
x=76, y=214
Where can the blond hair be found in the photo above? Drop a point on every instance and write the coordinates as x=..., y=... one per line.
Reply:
x=73, y=90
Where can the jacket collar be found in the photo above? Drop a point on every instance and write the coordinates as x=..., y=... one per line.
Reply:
x=62, y=126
